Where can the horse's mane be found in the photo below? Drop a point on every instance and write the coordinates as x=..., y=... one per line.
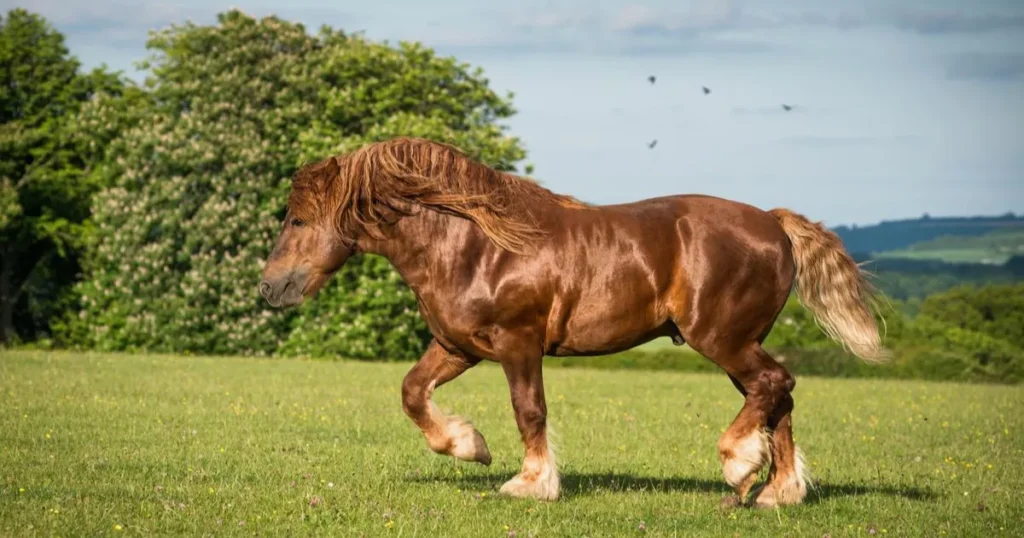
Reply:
x=362, y=187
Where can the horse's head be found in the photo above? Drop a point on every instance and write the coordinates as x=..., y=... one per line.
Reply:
x=310, y=247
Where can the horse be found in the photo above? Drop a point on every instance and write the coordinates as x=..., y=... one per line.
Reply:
x=504, y=269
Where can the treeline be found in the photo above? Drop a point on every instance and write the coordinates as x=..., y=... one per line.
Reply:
x=900, y=234
x=136, y=217
x=911, y=280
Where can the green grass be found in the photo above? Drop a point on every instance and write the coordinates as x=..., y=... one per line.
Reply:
x=963, y=255
x=108, y=445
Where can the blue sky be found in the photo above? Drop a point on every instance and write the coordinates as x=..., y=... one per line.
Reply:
x=898, y=111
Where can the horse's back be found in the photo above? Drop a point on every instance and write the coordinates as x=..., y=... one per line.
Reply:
x=627, y=272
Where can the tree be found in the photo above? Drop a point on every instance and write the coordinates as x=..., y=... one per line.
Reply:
x=994, y=310
x=199, y=186
x=45, y=170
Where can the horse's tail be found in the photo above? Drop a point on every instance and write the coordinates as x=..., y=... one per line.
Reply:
x=831, y=285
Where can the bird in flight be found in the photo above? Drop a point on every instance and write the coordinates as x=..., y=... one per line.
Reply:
x=651, y=79
x=706, y=90
x=652, y=143
x=786, y=107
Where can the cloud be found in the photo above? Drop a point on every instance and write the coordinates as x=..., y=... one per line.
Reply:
x=920, y=21
x=953, y=21
x=699, y=45
x=845, y=141
x=552, y=19
x=726, y=15
x=131, y=18
x=707, y=27
x=710, y=26
x=633, y=29
x=703, y=16
x=106, y=14
x=986, y=66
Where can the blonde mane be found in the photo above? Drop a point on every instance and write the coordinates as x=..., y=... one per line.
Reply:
x=362, y=187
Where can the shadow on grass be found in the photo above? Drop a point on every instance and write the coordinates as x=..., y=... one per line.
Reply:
x=583, y=484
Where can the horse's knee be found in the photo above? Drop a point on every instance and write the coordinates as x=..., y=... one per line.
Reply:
x=779, y=379
x=774, y=383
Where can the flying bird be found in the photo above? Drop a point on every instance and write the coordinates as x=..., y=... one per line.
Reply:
x=652, y=143
x=787, y=108
x=706, y=90
x=651, y=79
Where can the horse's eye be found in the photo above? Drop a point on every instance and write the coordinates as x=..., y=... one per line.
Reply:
x=297, y=223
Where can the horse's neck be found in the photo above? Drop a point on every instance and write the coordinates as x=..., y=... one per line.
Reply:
x=425, y=244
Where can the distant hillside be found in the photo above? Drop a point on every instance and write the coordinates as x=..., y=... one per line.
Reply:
x=993, y=248
x=900, y=234
x=908, y=278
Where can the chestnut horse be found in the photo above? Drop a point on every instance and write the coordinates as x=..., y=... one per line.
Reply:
x=503, y=269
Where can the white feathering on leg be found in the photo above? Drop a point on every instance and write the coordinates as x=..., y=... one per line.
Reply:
x=539, y=478
x=460, y=439
x=749, y=455
x=787, y=490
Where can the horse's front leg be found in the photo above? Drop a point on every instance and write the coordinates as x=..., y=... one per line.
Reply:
x=445, y=435
x=539, y=478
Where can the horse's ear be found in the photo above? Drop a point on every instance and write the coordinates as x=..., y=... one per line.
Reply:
x=333, y=169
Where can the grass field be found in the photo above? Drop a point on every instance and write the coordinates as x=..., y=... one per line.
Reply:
x=106, y=445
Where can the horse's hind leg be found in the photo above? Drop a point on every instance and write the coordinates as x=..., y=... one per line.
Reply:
x=745, y=447
x=787, y=479
x=445, y=435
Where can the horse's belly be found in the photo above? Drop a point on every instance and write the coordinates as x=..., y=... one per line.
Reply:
x=607, y=346
x=601, y=328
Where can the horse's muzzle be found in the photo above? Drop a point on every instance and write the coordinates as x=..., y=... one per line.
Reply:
x=283, y=292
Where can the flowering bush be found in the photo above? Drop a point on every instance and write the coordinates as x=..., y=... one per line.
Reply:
x=198, y=186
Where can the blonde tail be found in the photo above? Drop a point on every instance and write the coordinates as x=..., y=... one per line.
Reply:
x=831, y=285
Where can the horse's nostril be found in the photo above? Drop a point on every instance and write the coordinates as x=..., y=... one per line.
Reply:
x=264, y=289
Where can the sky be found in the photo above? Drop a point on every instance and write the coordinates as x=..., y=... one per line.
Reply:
x=899, y=108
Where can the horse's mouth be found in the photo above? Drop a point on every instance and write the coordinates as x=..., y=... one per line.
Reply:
x=289, y=295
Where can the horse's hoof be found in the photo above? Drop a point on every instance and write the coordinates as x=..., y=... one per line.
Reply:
x=764, y=498
x=467, y=443
x=545, y=487
x=769, y=497
x=731, y=501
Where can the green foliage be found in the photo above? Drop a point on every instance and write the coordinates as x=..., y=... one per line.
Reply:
x=796, y=328
x=199, y=185
x=906, y=279
x=46, y=163
x=368, y=313
x=997, y=311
